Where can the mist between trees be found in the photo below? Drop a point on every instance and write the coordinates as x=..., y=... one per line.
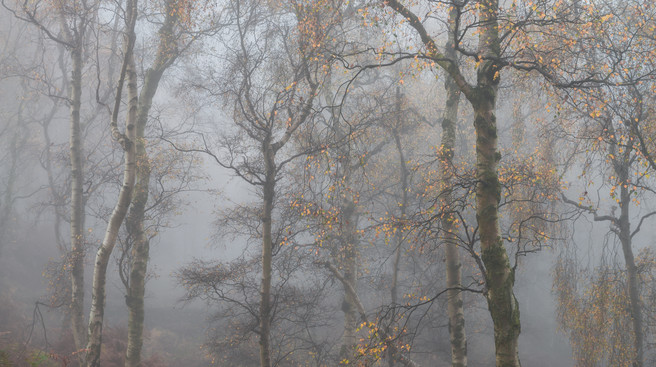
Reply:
x=327, y=183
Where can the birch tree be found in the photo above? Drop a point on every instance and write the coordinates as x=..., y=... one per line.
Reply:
x=167, y=52
x=482, y=95
x=275, y=58
x=526, y=37
x=74, y=21
x=127, y=141
x=458, y=336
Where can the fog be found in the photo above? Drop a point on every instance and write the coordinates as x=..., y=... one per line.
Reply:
x=327, y=183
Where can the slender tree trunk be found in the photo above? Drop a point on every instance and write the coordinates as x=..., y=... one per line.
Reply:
x=62, y=245
x=398, y=241
x=167, y=51
x=96, y=316
x=398, y=235
x=267, y=254
x=502, y=303
x=349, y=256
x=77, y=204
x=500, y=277
x=139, y=257
x=140, y=245
x=455, y=309
x=632, y=275
x=346, y=252
x=629, y=260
